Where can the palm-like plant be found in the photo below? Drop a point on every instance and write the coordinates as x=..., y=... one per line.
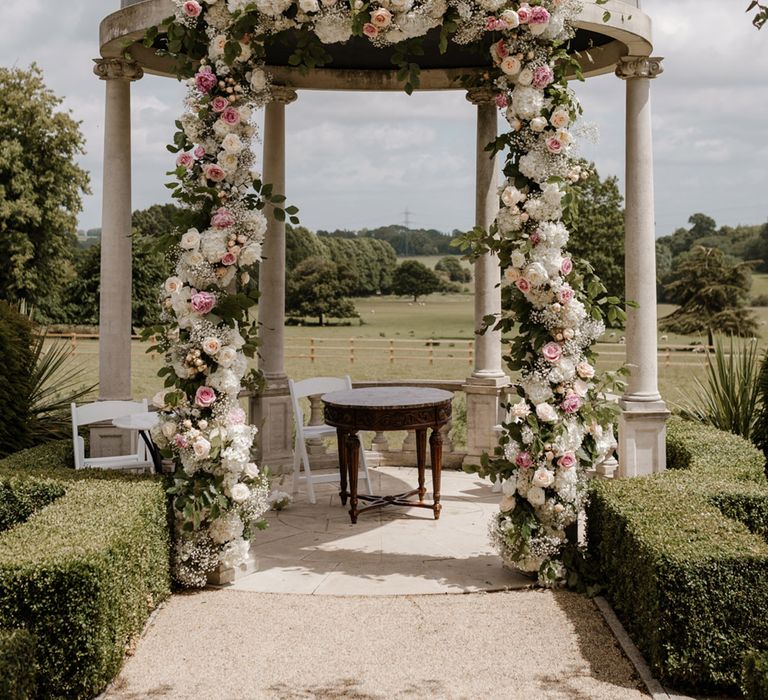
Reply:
x=729, y=397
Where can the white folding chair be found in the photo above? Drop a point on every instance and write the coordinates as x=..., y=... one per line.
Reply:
x=305, y=389
x=105, y=411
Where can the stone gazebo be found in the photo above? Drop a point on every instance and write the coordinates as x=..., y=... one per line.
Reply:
x=622, y=44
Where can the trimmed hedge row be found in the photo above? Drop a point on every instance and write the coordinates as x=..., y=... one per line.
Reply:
x=17, y=665
x=754, y=678
x=685, y=558
x=83, y=573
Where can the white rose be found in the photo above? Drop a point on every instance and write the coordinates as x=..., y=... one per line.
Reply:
x=520, y=409
x=511, y=196
x=507, y=504
x=173, y=285
x=510, y=18
x=159, y=398
x=511, y=66
x=537, y=29
x=228, y=161
x=517, y=259
x=240, y=493
x=536, y=496
x=546, y=412
x=258, y=80
x=191, y=239
x=509, y=487
x=585, y=370
x=169, y=429
x=216, y=47
x=193, y=258
x=252, y=470
x=538, y=124
x=221, y=128
x=227, y=355
x=536, y=274
x=202, y=448
x=543, y=478
x=232, y=144
x=525, y=78
x=580, y=388
x=211, y=346
x=560, y=119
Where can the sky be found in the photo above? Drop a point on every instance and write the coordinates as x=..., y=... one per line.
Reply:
x=358, y=160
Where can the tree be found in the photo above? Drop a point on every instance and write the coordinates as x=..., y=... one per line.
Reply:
x=757, y=249
x=415, y=279
x=451, y=266
x=41, y=189
x=320, y=288
x=597, y=229
x=712, y=292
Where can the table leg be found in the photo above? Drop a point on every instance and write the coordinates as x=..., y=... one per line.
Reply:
x=153, y=451
x=341, y=437
x=353, y=464
x=436, y=453
x=421, y=459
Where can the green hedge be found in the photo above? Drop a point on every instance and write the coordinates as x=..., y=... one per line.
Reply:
x=17, y=665
x=754, y=677
x=685, y=559
x=82, y=573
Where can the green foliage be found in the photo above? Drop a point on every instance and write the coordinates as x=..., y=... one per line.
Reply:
x=761, y=14
x=20, y=497
x=320, y=288
x=596, y=225
x=41, y=188
x=760, y=427
x=453, y=269
x=15, y=341
x=83, y=573
x=17, y=665
x=728, y=399
x=754, y=676
x=414, y=279
x=712, y=293
x=405, y=241
x=684, y=557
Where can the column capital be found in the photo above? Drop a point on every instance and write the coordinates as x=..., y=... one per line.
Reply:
x=117, y=69
x=283, y=94
x=639, y=67
x=481, y=96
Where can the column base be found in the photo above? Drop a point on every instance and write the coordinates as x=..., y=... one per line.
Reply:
x=484, y=415
x=108, y=441
x=272, y=413
x=642, y=438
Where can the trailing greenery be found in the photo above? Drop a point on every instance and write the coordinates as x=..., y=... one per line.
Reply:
x=728, y=399
x=684, y=557
x=754, y=676
x=17, y=665
x=83, y=572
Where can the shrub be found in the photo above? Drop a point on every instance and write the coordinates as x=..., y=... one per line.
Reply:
x=684, y=557
x=15, y=342
x=82, y=573
x=19, y=498
x=754, y=676
x=17, y=666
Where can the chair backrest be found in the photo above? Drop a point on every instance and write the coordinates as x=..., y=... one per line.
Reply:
x=314, y=387
x=96, y=413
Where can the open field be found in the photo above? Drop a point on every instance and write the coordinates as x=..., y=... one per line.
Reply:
x=447, y=318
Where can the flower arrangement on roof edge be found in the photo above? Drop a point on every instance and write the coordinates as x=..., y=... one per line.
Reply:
x=558, y=428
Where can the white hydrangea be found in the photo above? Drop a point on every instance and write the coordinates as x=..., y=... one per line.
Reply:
x=527, y=102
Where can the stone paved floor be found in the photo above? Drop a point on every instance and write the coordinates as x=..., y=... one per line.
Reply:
x=314, y=549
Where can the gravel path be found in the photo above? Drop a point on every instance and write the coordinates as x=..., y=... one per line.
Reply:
x=228, y=645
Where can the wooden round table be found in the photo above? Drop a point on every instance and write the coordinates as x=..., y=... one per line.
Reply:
x=388, y=408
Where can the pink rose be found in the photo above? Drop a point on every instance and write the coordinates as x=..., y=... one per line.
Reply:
x=191, y=8
x=236, y=416
x=370, y=30
x=501, y=101
x=219, y=104
x=206, y=80
x=585, y=370
x=566, y=267
x=185, y=160
x=567, y=461
x=542, y=77
x=571, y=403
x=555, y=146
x=199, y=152
x=228, y=258
x=524, y=14
x=535, y=239
x=180, y=441
x=523, y=285
x=539, y=15
x=214, y=172
x=205, y=396
x=501, y=49
x=524, y=460
x=230, y=116
x=223, y=218
x=564, y=296
x=381, y=17
x=552, y=352
x=203, y=302
x=490, y=24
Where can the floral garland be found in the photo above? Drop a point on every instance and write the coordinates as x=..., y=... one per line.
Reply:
x=557, y=429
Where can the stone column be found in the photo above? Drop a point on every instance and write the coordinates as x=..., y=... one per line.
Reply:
x=273, y=413
x=483, y=388
x=642, y=426
x=116, y=262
